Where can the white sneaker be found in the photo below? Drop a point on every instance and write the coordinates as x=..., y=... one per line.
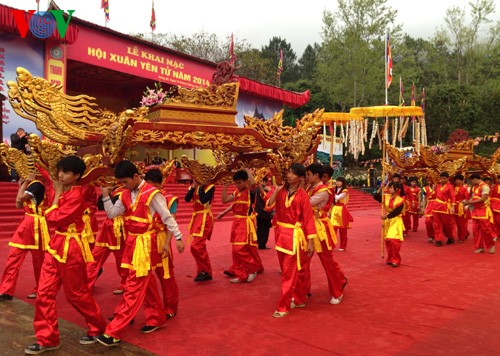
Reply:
x=336, y=301
x=492, y=249
x=341, y=250
x=235, y=280
x=251, y=277
x=479, y=250
x=293, y=305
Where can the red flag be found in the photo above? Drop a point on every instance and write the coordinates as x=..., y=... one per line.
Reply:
x=105, y=7
x=152, y=23
x=280, y=64
x=232, y=55
x=389, y=62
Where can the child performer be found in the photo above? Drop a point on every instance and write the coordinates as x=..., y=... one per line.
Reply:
x=165, y=270
x=428, y=206
x=138, y=204
x=246, y=259
x=393, y=226
x=415, y=200
x=340, y=216
x=65, y=262
x=31, y=235
x=462, y=213
x=201, y=227
x=294, y=232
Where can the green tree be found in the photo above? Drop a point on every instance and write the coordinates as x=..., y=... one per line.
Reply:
x=272, y=53
x=307, y=63
x=351, y=59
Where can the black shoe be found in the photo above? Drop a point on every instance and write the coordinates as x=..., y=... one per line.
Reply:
x=149, y=328
x=36, y=349
x=170, y=316
x=229, y=274
x=88, y=340
x=439, y=244
x=264, y=248
x=107, y=340
x=450, y=241
x=202, y=276
x=6, y=297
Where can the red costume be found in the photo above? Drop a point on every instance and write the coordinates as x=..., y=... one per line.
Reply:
x=246, y=259
x=340, y=217
x=495, y=206
x=65, y=264
x=110, y=239
x=31, y=235
x=140, y=257
x=393, y=228
x=430, y=196
x=201, y=226
x=406, y=215
x=165, y=269
x=482, y=219
x=462, y=213
x=413, y=199
x=326, y=240
x=294, y=227
x=443, y=220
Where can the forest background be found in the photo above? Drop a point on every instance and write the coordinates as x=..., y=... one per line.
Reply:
x=458, y=66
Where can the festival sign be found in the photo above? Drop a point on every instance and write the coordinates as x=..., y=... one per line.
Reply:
x=127, y=56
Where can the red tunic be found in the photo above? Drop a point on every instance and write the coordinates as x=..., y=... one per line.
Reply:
x=324, y=227
x=111, y=233
x=243, y=229
x=412, y=198
x=202, y=220
x=481, y=210
x=445, y=198
x=431, y=198
x=69, y=224
x=461, y=193
x=495, y=198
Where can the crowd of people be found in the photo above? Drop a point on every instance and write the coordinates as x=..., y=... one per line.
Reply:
x=308, y=212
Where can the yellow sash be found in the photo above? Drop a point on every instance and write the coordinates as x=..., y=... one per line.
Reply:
x=42, y=232
x=204, y=211
x=82, y=242
x=299, y=241
x=161, y=238
x=251, y=232
x=141, y=259
x=87, y=230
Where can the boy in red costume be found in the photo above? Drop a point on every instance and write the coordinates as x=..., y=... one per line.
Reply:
x=246, y=259
x=481, y=215
x=495, y=205
x=109, y=239
x=428, y=206
x=415, y=199
x=138, y=204
x=165, y=270
x=443, y=210
x=295, y=232
x=320, y=199
x=65, y=262
x=340, y=217
x=201, y=227
x=31, y=235
x=461, y=212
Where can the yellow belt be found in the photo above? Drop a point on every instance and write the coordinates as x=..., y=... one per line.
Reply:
x=299, y=240
x=87, y=230
x=141, y=259
x=251, y=232
x=42, y=232
x=82, y=242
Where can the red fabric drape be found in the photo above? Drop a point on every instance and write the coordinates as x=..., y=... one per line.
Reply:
x=291, y=99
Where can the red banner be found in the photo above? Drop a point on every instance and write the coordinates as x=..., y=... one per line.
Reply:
x=126, y=56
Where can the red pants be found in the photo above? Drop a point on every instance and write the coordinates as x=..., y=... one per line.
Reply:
x=292, y=286
x=169, y=288
x=415, y=217
x=462, y=228
x=334, y=274
x=138, y=290
x=342, y=234
x=101, y=254
x=444, y=225
x=406, y=221
x=200, y=254
x=393, y=248
x=483, y=233
x=496, y=219
x=13, y=267
x=72, y=275
x=429, y=226
x=244, y=262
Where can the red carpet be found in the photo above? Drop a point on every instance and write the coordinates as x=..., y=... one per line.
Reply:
x=441, y=301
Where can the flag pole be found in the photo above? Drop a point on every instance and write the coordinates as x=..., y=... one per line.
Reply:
x=384, y=140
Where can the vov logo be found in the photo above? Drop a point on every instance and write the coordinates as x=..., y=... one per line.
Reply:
x=42, y=24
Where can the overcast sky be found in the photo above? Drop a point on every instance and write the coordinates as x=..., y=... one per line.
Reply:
x=299, y=22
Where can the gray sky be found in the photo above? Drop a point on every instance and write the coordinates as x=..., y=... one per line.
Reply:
x=299, y=22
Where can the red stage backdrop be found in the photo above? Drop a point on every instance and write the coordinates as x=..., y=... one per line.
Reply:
x=122, y=55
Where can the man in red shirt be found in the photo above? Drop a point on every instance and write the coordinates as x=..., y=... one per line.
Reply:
x=462, y=212
x=443, y=210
